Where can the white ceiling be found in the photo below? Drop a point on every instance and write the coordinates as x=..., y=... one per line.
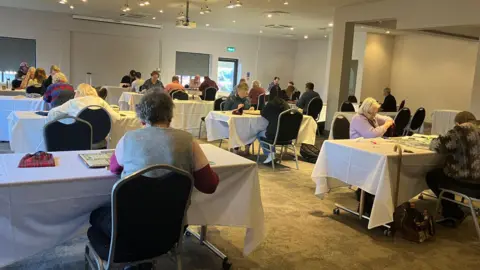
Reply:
x=307, y=17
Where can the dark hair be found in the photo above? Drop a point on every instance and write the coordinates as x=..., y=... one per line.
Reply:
x=155, y=107
x=464, y=117
x=132, y=73
x=154, y=72
x=175, y=78
x=310, y=86
x=274, y=93
x=16, y=84
x=276, y=78
x=352, y=99
x=138, y=75
x=290, y=82
x=102, y=92
x=40, y=75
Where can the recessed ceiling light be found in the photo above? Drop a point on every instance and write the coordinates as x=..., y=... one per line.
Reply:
x=305, y=37
x=126, y=8
x=161, y=11
x=72, y=7
x=154, y=18
x=84, y=1
x=325, y=36
x=234, y=4
x=330, y=24
x=285, y=3
x=261, y=31
x=291, y=28
x=207, y=25
x=201, y=12
x=388, y=32
x=269, y=15
x=63, y=2
x=234, y=21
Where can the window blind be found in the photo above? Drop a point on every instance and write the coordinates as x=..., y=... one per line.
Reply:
x=192, y=64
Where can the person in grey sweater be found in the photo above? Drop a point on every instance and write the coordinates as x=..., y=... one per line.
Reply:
x=306, y=97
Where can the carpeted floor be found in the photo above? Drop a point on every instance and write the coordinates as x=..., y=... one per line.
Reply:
x=302, y=233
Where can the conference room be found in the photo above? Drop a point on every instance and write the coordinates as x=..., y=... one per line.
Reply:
x=218, y=134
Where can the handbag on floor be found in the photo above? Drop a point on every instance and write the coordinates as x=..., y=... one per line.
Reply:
x=412, y=224
x=309, y=152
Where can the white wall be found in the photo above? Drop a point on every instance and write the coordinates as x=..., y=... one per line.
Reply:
x=433, y=72
x=358, y=53
x=310, y=65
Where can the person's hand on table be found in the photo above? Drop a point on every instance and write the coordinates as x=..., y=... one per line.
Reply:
x=240, y=106
x=251, y=109
x=300, y=110
x=388, y=123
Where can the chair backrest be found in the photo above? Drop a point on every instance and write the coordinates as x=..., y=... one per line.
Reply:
x=180, y=95
x=341, y=128
x=402, y=105
x=63, y=97
x=288, y=126
x=347, y=107
x=218, y=102
x=314, y=108
x=35, y=90
x=148, y=214
x=352, y=99
x=173, y=92
x=100, y=121
x=261, y=102
x=401, y=121
x=296, y=95
x=417, y=119
x=210, y=94
x=76, y=136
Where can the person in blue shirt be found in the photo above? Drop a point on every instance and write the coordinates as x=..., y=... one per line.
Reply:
x=306, y=97
x=238, y=100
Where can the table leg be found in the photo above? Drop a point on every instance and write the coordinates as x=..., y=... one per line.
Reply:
x=362, y=204
x=202, y=237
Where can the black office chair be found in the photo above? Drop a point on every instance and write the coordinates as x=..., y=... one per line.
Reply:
x=296, y=95
x=35, y=90
x=347, y=107
x=217, y=106
x=173, y=92
x=314, y=108
x=352, y=99
x=402, y=105
x=288, y=126
x=401, y=121
x=67, y=134
x=63, y=97
x=261, y=102
x=147, y=217
x=101, y=123
x=341, y=128
x=417, y=121
x=180, y=95
x=210, y=94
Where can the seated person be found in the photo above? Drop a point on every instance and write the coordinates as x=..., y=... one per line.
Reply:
x=367, y=123
x=102, y=92
x=138, y=82
x=28, y=79
x=53, y=70
x=136, y=151
x=207, y=83
x=128, y=79
x=289, y=91
x=16, y=84
x=60, y=91
x=461, y=171
x=85, y=96
x=239, y=100
x=256, y=91
x=174, y=85
x=272, y=110
x=390, y=103
x=153, y=82
x=35, y=86
x=306, y=97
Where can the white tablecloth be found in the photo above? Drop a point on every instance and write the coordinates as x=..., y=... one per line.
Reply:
x=371, y=164
x=9, y=104
x=349, y=116
x=443, y=121
x=43, y=207
x=128, y=100
x=114, y=93
x=26, y=130
x=241, y=130
x=13, y=93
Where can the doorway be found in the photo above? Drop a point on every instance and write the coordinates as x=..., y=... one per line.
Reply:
x=227, y=74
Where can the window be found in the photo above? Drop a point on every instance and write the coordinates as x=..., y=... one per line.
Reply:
x=13, y=51
x=227, y=74
x=191, y=64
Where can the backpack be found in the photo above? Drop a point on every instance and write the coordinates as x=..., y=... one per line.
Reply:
x=309, y=153
x=412, y=224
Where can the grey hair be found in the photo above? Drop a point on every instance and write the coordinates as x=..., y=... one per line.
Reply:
x=368, y=105
x=155, y=107
x=388, y=90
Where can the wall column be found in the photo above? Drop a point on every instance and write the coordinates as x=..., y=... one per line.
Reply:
x=475, y=97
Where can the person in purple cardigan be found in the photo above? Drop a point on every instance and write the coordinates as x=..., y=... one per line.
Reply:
x=367, y=123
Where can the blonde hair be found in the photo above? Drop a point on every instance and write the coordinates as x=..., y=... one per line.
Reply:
x=242, y=87
x=256, y=83
x=54, y=68
x=59, y=77
x=368, y=105
x=84, y=90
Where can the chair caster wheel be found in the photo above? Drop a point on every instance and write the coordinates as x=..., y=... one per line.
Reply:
x=336, y=211
x=387, y=232
x=188, y=234
x=226, y=264
x=420, y=197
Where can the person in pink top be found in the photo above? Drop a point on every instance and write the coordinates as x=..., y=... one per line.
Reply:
x=367, y=123
x=174, y=85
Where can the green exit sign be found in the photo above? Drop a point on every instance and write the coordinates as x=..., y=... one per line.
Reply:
x=231, y=49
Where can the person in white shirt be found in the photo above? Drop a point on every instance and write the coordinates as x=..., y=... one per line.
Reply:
x=85, y=96
x=138, y=82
